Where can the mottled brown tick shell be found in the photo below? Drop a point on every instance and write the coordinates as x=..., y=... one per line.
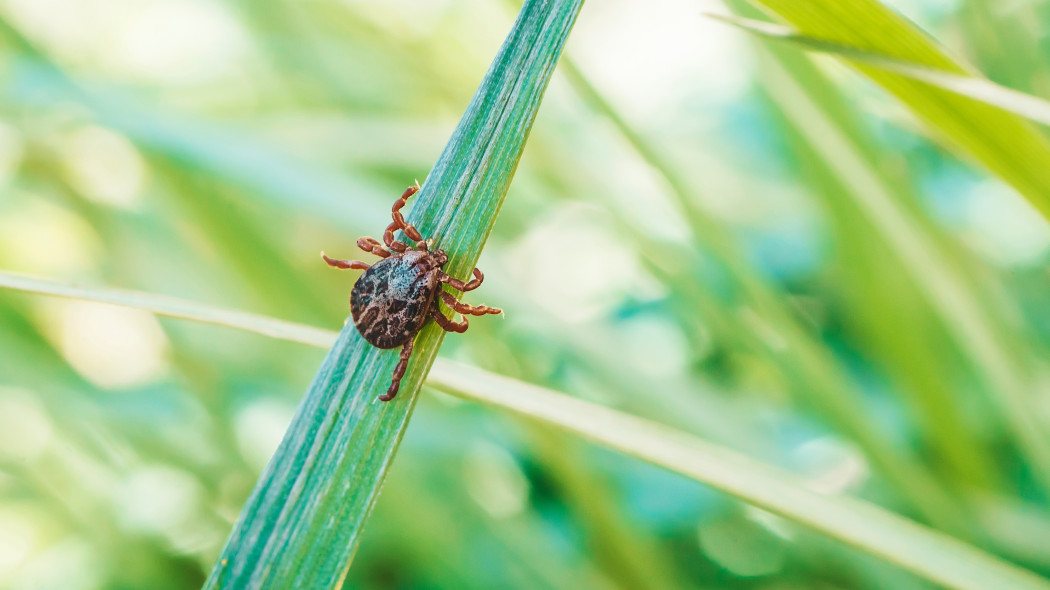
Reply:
x=391, y=300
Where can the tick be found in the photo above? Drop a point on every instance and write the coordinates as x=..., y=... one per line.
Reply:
x=393, y=298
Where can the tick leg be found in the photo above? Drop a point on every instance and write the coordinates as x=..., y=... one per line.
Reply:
x=467, y=309
x=344, y=264
x=395, y=245
x=409, y=229
x=373, y=246
x=445, y=323
x=399, y=371
x=460, y=285
x=399, y=224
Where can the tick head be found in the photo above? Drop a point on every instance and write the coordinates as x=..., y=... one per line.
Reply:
x=439, y=257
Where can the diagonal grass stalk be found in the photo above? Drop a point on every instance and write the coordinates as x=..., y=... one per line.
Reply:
x=303, y=522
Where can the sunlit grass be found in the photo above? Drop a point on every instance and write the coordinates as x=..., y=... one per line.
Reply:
x=740, y=240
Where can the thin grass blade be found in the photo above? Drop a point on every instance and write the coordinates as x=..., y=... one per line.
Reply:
x=1004, y=369
x=975, y=87
x=1003, y=142
x=805, y=361
x=923, y=551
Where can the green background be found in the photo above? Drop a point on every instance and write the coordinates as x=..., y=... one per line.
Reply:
x=690, y=238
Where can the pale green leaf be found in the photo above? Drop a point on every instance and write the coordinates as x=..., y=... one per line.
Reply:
x=1003, y=371
x=1006, y=144
x=970, y=86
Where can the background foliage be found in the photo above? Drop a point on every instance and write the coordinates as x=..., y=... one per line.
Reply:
x=685, y=241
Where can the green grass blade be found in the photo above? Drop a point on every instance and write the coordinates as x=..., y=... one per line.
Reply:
x=977, y=88
x=1001, y=367
x=303, y=522
x=805, y=361
x=795, y=86
x=1004, y=143
x=926, y=553
x=175, y=308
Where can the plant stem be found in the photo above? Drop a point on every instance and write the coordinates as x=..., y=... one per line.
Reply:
x=304, y=520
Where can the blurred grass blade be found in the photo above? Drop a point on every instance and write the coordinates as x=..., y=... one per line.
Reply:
x=929, y=554
x=1004, y=143
x=176, y=308
x=977, y=88
x=805, y=361
x=304, y=520
x=810, y=105
x=1004, y=370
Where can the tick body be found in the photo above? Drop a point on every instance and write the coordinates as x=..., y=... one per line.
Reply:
x=394, y=297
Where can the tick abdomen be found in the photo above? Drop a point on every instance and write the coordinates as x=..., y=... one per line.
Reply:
x=391, y=300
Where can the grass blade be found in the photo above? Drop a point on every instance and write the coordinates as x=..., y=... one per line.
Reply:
x=1004, y=371
x=1004, y=143
x=977, y=88
x=303, y=522
x=798, y=89
x=175, y=308
x=804, y=361
x=926, y=553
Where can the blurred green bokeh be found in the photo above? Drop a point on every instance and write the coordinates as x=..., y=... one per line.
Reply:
x=676, y=244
